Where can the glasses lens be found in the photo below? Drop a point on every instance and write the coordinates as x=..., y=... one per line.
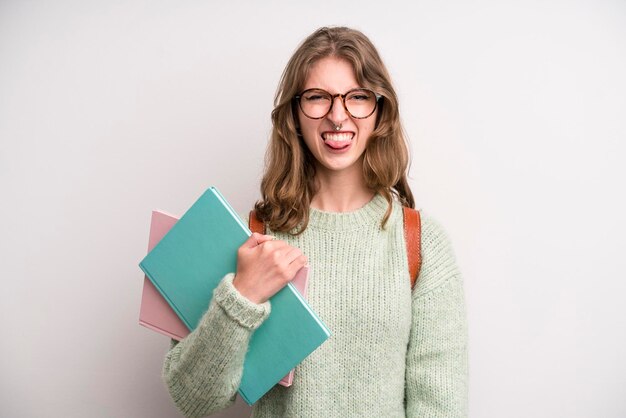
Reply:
x=361, y=103
x=315, y=103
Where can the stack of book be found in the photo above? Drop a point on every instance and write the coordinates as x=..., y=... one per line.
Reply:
x=189, y=257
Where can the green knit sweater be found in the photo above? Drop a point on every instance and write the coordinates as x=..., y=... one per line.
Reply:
x=393, y=352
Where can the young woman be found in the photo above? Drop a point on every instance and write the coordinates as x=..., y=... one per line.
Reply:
x=332, y=196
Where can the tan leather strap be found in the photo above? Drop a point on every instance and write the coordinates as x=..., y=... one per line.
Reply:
x=255, y=224
x=413, y=239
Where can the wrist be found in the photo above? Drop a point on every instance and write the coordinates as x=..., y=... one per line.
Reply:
x=246, y=292
x=237, y=307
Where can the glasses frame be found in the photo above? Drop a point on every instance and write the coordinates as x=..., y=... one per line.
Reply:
x=343, y=101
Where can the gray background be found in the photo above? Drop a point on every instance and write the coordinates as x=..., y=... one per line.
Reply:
x=516, y=116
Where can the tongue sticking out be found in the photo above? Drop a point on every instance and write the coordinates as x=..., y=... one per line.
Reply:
x=337, y=140
x=337, y=144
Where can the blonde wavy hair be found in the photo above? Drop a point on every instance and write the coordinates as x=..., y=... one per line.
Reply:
x=288, y=183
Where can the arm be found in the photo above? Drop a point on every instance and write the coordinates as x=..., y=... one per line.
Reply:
x=204, y=370
x=436, y=364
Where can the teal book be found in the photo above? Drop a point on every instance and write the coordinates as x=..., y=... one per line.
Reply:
x=191, y=260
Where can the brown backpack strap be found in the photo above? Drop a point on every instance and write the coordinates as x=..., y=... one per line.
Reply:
x=413, y=238
x=255, y=224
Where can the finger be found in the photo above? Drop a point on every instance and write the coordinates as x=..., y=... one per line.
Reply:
x=292, y=254
x=273, y=245
x=264, y=238
x=252, y=241
x=296, y=265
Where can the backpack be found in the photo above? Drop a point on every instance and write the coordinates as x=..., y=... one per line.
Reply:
x=412, y=237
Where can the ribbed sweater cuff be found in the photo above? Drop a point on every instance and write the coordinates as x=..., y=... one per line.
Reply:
x=248, y=314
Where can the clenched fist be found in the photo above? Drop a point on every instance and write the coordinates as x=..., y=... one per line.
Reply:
x=264, y=266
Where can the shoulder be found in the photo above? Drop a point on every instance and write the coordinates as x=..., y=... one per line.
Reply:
x=438, y=259
x=435, y=237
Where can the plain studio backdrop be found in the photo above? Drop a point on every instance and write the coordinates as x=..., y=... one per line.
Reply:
x=516, y=116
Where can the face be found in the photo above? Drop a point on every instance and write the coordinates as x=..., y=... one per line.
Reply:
x=335, y=151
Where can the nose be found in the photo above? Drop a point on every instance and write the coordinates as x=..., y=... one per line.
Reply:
x=338, y=113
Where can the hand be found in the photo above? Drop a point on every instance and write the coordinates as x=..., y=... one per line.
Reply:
x=264, y=266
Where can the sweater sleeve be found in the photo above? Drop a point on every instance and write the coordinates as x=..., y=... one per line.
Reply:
x=203, y=371
x=436, y=365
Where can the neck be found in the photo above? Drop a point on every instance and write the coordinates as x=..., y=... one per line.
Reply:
x=341, y=192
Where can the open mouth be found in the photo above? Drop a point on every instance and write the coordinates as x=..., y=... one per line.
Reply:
x=338, y=140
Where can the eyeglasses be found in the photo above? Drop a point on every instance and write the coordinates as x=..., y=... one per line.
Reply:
x=317, y=103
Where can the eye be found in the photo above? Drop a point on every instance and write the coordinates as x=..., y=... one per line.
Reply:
x=316, y=96
x=360, y=96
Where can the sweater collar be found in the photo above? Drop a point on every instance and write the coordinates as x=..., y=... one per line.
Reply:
x=374, y=210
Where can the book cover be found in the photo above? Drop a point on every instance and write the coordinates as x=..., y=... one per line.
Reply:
x=191, y=260
x=156, y=314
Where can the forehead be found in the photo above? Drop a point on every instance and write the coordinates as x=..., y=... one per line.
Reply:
x=335, y=75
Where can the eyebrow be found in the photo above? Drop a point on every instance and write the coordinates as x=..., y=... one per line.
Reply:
x=345, y=91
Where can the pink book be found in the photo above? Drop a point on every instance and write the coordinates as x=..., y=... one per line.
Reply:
x=156, y=314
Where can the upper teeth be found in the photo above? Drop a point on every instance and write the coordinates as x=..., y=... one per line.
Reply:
x=337, y=137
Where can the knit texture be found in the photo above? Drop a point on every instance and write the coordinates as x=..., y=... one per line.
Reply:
x=393, y=353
